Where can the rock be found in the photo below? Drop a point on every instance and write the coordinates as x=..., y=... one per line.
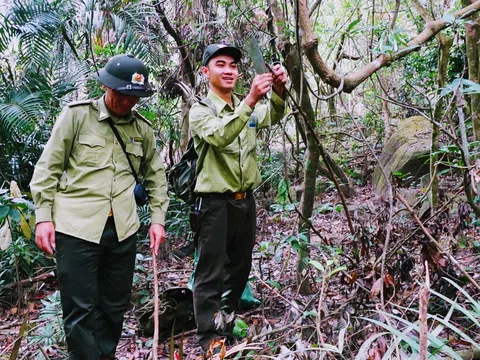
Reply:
x=406, y=152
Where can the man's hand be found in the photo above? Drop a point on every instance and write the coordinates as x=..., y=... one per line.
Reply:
x=157, y=237
x=279, y=79
x=45, y=236
x=260, y=86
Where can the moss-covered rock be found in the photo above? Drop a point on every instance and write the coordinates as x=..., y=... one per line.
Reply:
x=406, y=152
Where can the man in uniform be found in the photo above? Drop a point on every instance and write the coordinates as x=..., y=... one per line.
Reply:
x=82, y=187
x=225, y=131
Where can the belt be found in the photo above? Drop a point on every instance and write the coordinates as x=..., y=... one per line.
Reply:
x=110, y=213
x=239, y=195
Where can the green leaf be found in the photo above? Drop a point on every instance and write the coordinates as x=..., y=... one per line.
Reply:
x=4, y=210
x=274, y=283
x=449, y=18
x=311, y=313
x=352, y=25
x=240, y=329
x=15, y=215
x=317, y=265
x=333, y=272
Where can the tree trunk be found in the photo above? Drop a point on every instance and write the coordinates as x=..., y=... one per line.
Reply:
x=443, y=56
x=310, y=170
x=472, y=32
x=385, y=111
x=293, y=64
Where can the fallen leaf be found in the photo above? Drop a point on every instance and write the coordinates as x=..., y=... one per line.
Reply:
x=388, y=278
x=376, y=288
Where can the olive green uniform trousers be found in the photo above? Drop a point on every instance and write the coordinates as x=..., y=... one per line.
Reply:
x=224, y=243
x=95, y=288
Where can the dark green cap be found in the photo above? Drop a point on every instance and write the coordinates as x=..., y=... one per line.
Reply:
x=127, y=75
x=213, y=50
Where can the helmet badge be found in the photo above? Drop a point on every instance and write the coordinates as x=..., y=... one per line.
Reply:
x=138, y=79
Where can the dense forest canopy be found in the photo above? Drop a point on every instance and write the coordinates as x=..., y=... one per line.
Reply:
x=369, y=209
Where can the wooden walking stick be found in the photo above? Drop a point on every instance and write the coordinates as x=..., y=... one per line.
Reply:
x=156, y=319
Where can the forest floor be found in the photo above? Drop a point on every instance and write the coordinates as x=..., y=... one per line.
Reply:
x=344, y=277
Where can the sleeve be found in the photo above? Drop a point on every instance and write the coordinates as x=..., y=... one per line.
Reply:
x=271, y=113
x=51, y=165
x=215, y=130
x=155, y=180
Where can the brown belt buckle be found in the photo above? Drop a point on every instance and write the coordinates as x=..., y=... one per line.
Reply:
x=110, y=213
x=240, y=195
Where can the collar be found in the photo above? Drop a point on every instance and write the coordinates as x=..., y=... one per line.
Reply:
x=105, y=114
x=219, y=103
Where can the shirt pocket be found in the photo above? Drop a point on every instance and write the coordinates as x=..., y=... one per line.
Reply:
x=232, y=148
x=91, y=149
x=135, y=154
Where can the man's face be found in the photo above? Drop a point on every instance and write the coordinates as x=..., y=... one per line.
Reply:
x=119, y=104
x=222, y=73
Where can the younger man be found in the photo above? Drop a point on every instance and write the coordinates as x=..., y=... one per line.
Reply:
x=225, y=140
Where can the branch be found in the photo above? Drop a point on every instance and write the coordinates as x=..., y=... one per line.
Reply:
x=395, y=14
x=179, y=41
x=310, y=46
x=350, y=57
x=314, y=7
x=41, y=277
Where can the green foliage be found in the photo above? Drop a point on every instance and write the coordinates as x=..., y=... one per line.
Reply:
x=271, y=166
x=50, y=335
x=177, y=219
x=390, y=41
x=463, y=85
x=19, y=256
x=442, y=330
x=240, y=329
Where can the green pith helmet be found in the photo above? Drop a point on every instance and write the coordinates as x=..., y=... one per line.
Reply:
x=126, y=75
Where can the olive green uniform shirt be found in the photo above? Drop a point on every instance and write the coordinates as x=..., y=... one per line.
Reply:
x=83, y=173
x=230, y=139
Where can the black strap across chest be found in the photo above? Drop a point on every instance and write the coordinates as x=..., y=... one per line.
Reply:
x=123, y=146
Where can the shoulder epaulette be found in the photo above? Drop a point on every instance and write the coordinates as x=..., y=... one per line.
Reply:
x=80, y=102
x=208, y=103
x=141, y=117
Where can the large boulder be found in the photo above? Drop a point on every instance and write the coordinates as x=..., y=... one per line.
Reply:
x=406, y=152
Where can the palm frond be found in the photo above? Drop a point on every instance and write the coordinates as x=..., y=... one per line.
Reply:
x=18, y=113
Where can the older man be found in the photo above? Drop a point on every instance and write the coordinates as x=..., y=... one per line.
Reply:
x=83, y=189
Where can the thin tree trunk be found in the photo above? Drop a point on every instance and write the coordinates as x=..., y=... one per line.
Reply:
x=472, y=32
x=293, y=65
x=385, y=111
x=312, y=161
x=443, y=56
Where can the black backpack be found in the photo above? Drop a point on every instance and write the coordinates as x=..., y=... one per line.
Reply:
x=182, y=176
